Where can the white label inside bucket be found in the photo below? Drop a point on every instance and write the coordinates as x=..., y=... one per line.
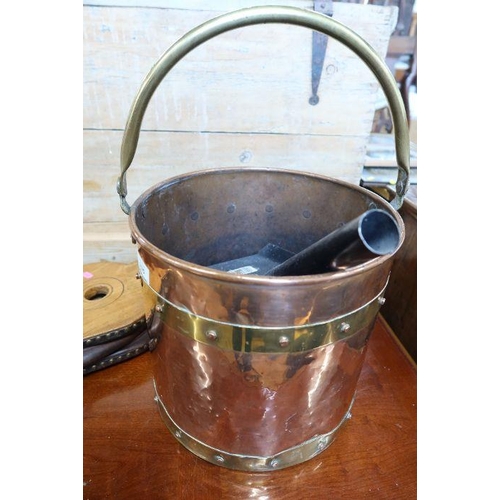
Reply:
x=244, y=270
x=143, y=269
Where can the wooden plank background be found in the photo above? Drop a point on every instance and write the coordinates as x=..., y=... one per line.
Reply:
x=240, y=99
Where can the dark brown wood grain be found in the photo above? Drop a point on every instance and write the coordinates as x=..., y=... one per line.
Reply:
x=129, y=454
x=400, y=309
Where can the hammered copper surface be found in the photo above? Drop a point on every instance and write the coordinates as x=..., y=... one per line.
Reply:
x=257, y=404
x=251, y=338
x=193, y=221
x=229, y=398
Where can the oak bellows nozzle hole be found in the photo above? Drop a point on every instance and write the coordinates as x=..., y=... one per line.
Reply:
x=97, y=292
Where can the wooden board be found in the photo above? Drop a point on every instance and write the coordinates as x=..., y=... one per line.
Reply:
x=400, y=308
x=294, y=151
x=239, y=99
x=241, y=81
x=381, y=167
x=112, y=298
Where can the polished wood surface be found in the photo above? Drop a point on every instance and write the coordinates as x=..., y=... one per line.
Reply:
x=129, y=454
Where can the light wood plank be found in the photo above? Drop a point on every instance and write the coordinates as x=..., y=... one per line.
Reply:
x=248, y=80
x=241, y=99
x=198, y=5
x=109, y=241
x=164, y=155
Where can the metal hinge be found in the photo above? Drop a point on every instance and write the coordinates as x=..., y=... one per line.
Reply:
x=319, y=43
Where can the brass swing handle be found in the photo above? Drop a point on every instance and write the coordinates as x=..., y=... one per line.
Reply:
x=262, y=15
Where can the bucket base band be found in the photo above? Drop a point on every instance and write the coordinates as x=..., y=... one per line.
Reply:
x=287, y=458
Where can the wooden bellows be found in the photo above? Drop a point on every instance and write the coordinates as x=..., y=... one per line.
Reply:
x=114, y=323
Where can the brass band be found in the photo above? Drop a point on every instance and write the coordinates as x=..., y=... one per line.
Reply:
x=248, y=338
x=286, y=458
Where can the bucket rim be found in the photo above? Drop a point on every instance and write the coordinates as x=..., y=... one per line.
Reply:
x=253, y=279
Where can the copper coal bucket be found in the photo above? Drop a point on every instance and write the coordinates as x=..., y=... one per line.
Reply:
x=255, y=373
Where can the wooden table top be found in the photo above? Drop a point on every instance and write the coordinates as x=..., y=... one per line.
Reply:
x=129, y=453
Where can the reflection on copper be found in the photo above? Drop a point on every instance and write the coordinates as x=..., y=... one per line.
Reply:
x=254, y=367
x=257, y=404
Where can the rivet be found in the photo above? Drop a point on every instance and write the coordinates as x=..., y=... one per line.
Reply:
x=344, y=327
x=219, y=458
x=321, y=444
x=274, y=463
x=159, y=308
x=283, y=341
x=211, y=335
x=178, y=434
x=381, y=300
x=138, y=276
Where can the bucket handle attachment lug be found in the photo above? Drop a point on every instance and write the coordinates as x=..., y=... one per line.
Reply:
x=262, y=15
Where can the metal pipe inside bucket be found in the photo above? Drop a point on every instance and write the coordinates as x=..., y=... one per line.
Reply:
x=373, y=233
